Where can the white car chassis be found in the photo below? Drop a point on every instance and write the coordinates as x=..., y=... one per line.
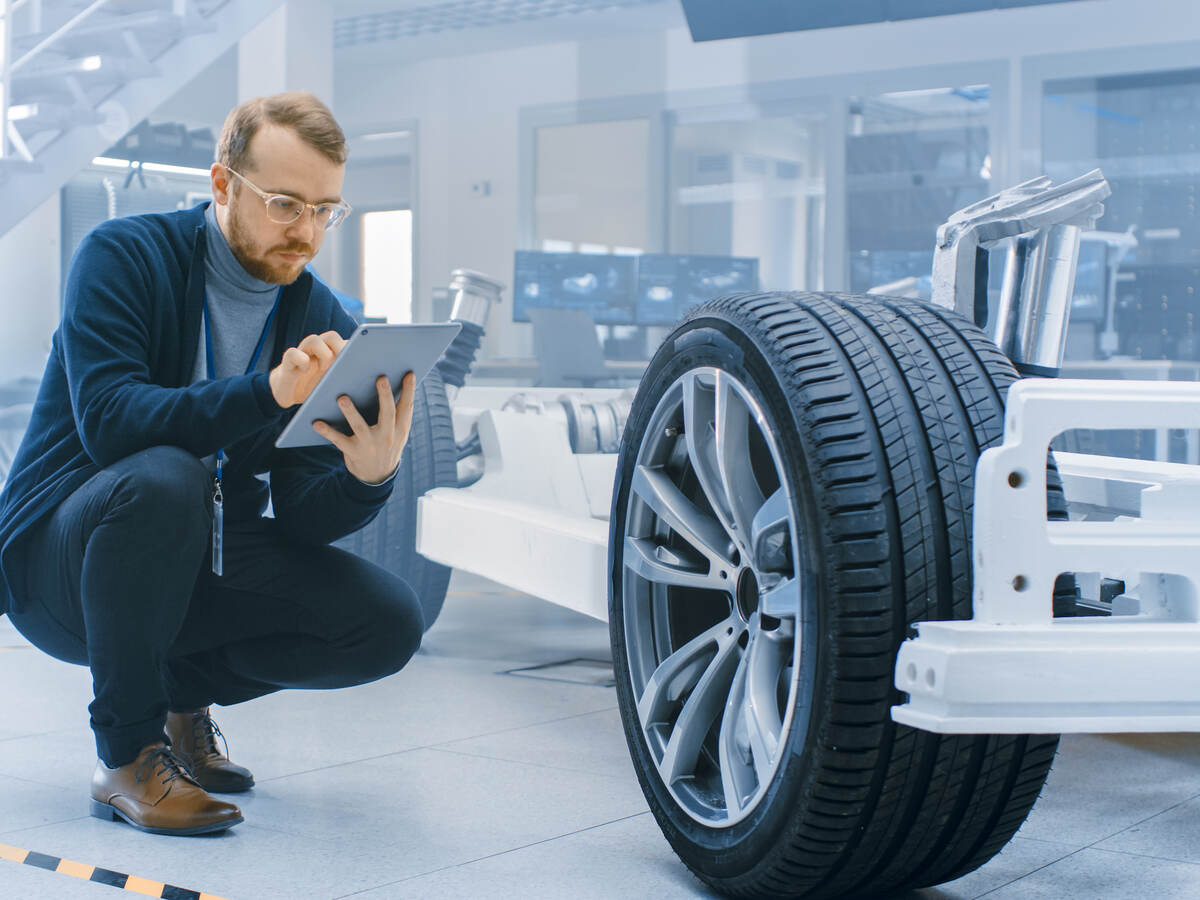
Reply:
x=537, y=521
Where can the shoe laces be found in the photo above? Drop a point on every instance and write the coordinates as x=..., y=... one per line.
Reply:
x=204, y=735
x=160, y=762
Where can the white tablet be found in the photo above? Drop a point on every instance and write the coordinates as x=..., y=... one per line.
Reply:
x=372, y=350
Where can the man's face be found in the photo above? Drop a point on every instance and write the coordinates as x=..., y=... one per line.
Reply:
x=279, y=163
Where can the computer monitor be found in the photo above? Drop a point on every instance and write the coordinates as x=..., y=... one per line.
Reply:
x=600, y=285
x=671, y=284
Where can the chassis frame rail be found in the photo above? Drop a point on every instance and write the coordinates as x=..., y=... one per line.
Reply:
x=1013, y=668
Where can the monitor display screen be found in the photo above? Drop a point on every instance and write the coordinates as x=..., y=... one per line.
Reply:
x=669, y=285
x=602, y=286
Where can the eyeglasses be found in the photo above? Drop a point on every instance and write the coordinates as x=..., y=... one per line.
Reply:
x=284, y=210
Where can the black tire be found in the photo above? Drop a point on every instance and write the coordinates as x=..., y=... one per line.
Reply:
x=429, y=461
x=880, y=408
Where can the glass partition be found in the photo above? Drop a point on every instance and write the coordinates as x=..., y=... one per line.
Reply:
x=912, y=159
x=1134, y=313
x=591, y=191
x=751, y=186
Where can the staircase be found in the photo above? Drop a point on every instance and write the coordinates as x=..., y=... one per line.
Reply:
x=76, y=75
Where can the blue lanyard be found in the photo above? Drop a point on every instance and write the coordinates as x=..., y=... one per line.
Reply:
x=212, y=367
x=218, y=534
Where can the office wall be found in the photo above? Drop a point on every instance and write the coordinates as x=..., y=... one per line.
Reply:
x=467, y=107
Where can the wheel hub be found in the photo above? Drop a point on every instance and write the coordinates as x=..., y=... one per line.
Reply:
x=746, y=596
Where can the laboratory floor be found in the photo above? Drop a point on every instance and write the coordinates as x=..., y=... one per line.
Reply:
x=461, y=778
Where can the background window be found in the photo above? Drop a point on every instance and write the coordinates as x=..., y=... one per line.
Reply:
x=386, y=237
x=1143, y=132
x=1135, y=306
x=592, y=185
x=912, y=159
x=752, y=188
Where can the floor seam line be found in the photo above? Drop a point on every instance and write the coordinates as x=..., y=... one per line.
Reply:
x=1092, y=846
x=525, y=762
x=521, y=727
x=1027, y=874
x=438, y=746
x=493, y=855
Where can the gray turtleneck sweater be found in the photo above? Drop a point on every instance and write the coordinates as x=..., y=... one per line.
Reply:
x=238, y=306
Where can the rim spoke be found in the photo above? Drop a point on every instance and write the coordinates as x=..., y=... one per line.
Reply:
x=765, y=658
x=680, y=671
x=642, y=557
x=737, y=775
x=698, y=518
x=781, y=600
x=770, y=532
x=701, y=709
x=699, y=428
x=684, y=518
x=733, y=423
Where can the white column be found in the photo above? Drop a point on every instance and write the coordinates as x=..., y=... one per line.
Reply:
x=290, y=50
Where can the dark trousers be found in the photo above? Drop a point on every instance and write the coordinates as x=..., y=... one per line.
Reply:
x=119, y=578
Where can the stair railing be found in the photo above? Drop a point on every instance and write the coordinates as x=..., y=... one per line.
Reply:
x=6, y=11
x=11, y=142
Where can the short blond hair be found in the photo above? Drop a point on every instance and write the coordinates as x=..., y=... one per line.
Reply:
x=298, y=110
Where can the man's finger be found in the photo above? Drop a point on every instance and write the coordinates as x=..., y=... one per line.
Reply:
x=332, y=435
x=315, y=346
x=321, y=353
x=404, y=405
x=353, y=417
x=333, y=341
x=296, y=359
x=387, y=412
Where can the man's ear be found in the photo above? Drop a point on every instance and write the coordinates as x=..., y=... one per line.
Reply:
x=220, y=179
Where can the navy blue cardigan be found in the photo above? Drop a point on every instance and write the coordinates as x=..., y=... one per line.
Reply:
x=117, y=382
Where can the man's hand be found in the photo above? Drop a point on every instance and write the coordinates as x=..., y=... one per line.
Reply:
x=372, y=452
x=302, y=367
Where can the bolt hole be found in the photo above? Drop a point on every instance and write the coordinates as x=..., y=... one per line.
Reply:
x=724, y=575
x=911, y=672
x=729, y=631
x=1020, y=583
x=930, y=678
x=1016, y=478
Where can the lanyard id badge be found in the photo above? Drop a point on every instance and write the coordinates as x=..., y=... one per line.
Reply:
x=218, y=497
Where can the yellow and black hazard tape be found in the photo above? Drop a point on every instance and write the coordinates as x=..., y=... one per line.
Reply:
x=133, y=883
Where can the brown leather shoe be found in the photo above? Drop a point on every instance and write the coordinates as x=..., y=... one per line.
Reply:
x=194, y=739
x=154, y=793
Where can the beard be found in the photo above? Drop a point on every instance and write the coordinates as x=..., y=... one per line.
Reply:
x=258, y=263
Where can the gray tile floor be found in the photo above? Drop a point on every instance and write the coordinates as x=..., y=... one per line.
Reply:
x=455, y=780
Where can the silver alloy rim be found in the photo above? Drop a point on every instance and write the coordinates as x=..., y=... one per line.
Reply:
x=710, y=515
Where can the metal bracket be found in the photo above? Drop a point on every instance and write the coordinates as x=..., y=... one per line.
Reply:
x=1029, y=207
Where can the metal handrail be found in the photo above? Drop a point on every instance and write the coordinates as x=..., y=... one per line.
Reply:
x=63, y=29
x=6, y=11
x=11, y=143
